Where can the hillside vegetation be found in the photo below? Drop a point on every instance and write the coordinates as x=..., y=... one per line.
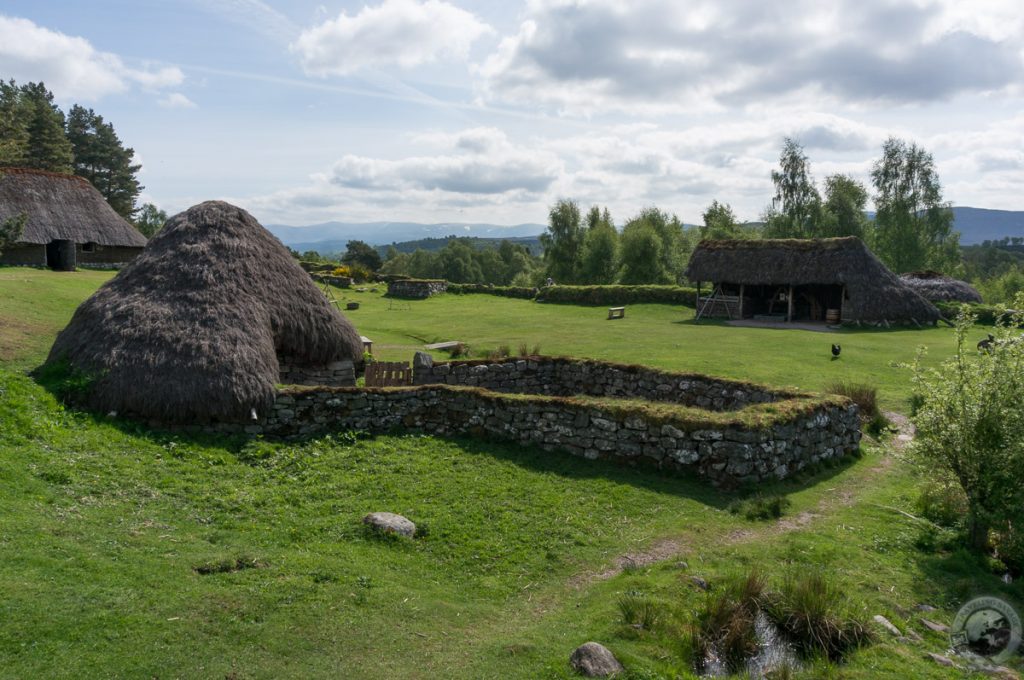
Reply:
x=132, y=553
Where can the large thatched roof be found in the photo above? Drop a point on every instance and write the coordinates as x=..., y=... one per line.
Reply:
x=190, y=330
x=937, y=287
x=875, y=293
x=62, y=207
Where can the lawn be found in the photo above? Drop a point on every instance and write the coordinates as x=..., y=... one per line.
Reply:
x=130, y=553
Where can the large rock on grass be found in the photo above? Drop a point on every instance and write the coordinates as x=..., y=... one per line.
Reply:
x=390, y=523
x=595, y=661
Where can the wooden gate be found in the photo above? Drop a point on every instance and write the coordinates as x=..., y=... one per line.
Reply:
x=387, y=374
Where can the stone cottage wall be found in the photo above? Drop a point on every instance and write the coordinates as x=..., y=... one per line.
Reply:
x=419, y=289
x=726, y=453
x=337, y=373
x=567, y=377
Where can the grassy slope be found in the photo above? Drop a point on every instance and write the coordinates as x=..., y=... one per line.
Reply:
x=102, y=526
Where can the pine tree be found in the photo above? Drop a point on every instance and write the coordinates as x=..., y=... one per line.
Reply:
x=101, y=158
x=48, y=146
x=13, y=126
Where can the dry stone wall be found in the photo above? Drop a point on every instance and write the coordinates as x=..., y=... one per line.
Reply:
x=565, y=377
x=418, y=289
x=727, y=452
x=338, y=373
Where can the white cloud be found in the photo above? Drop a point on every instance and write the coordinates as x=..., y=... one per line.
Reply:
x=589, y=56
x=405, y=33
x=70, y=66
x=176, y=100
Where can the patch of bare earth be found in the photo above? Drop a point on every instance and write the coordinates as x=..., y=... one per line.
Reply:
x=667, y=548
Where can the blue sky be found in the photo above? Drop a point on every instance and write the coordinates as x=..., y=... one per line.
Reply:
x=438, y=111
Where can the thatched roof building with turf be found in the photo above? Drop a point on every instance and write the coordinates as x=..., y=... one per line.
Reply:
x=199, y=327
x=937, y=287
x=69, y=223
x=828, y=280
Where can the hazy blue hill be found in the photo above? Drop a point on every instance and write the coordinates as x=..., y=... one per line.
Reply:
x=314, y=236
x=980, y=224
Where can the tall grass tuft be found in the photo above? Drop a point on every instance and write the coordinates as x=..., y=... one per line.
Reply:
x=760, y=507
x=640, y=610
x=816, y=617
x=866, y=398
x=725, y=628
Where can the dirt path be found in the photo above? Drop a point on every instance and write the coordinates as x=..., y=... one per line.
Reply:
x=667, y=548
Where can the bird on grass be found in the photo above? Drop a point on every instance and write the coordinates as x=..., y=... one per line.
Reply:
x=836, y=349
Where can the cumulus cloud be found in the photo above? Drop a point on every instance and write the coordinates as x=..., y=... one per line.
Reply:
x=405, y=33
x=483, y=162
x=176, y=100
x=588, y=56
x=70, y=66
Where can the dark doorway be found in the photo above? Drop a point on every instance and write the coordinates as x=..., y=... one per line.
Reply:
x=60, y=255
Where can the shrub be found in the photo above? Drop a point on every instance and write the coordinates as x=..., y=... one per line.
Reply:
x=760, y=507
x=989, y=315
x=815, y=616
x=971, y=426
x=943, y=502
x=620, y=295
x=521, y=292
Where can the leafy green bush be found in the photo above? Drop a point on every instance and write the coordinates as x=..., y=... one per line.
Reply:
x=943, y=502
x=986, y=314
x=866, y=398
x=521, y=292
x=619, y=295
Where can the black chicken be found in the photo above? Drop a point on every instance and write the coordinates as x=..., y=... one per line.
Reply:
x=836, y=349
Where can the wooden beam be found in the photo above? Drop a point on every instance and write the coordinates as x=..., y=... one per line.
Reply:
x=789, y=301
x=741, y=302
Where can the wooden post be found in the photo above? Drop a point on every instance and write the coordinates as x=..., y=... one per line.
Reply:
x=789, y=300
x=741, y=302
x=696, y=306
x=842, y=303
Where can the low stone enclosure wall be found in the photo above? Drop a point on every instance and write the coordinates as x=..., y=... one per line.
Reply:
x=337, y=373
x=417, y=289
x=728, y=432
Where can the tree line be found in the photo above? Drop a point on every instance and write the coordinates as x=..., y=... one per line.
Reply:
x=35, y=133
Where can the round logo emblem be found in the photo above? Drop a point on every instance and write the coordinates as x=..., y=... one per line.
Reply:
x=987, y=627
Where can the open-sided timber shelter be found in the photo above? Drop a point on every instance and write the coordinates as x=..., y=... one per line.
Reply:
x=69, y=223
x=828, y=280
x=204, y=324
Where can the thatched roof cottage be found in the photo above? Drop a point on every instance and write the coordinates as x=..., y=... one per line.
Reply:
x=937, y=287
x=69, y=222
x=828, y=279
x=199, y=327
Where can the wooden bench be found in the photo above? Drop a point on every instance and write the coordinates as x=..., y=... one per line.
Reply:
x=387, y=374
x=616, y=312
x=452, y=344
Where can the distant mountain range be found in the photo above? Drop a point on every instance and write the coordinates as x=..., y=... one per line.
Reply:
x=974, y=224
x=332, y=236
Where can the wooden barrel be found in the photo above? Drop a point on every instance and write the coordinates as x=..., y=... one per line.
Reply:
x=832, y=316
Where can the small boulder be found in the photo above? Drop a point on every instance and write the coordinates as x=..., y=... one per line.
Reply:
x=935, y=627
x=422, y=361
x=700, y=583
x=887, y=625
x=595, y=661
x=390, y=523
x=941, y=660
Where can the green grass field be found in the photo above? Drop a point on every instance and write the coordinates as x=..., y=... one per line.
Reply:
x=106, y=526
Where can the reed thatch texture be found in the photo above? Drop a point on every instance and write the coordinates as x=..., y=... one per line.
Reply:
x=874, y=293
x=937, y=287
x=63, y=207
x=191, y=330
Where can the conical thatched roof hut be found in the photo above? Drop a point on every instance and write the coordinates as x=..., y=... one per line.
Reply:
x=69, y=221
x=809, y=278
x=937, y=287
x=192, y=330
